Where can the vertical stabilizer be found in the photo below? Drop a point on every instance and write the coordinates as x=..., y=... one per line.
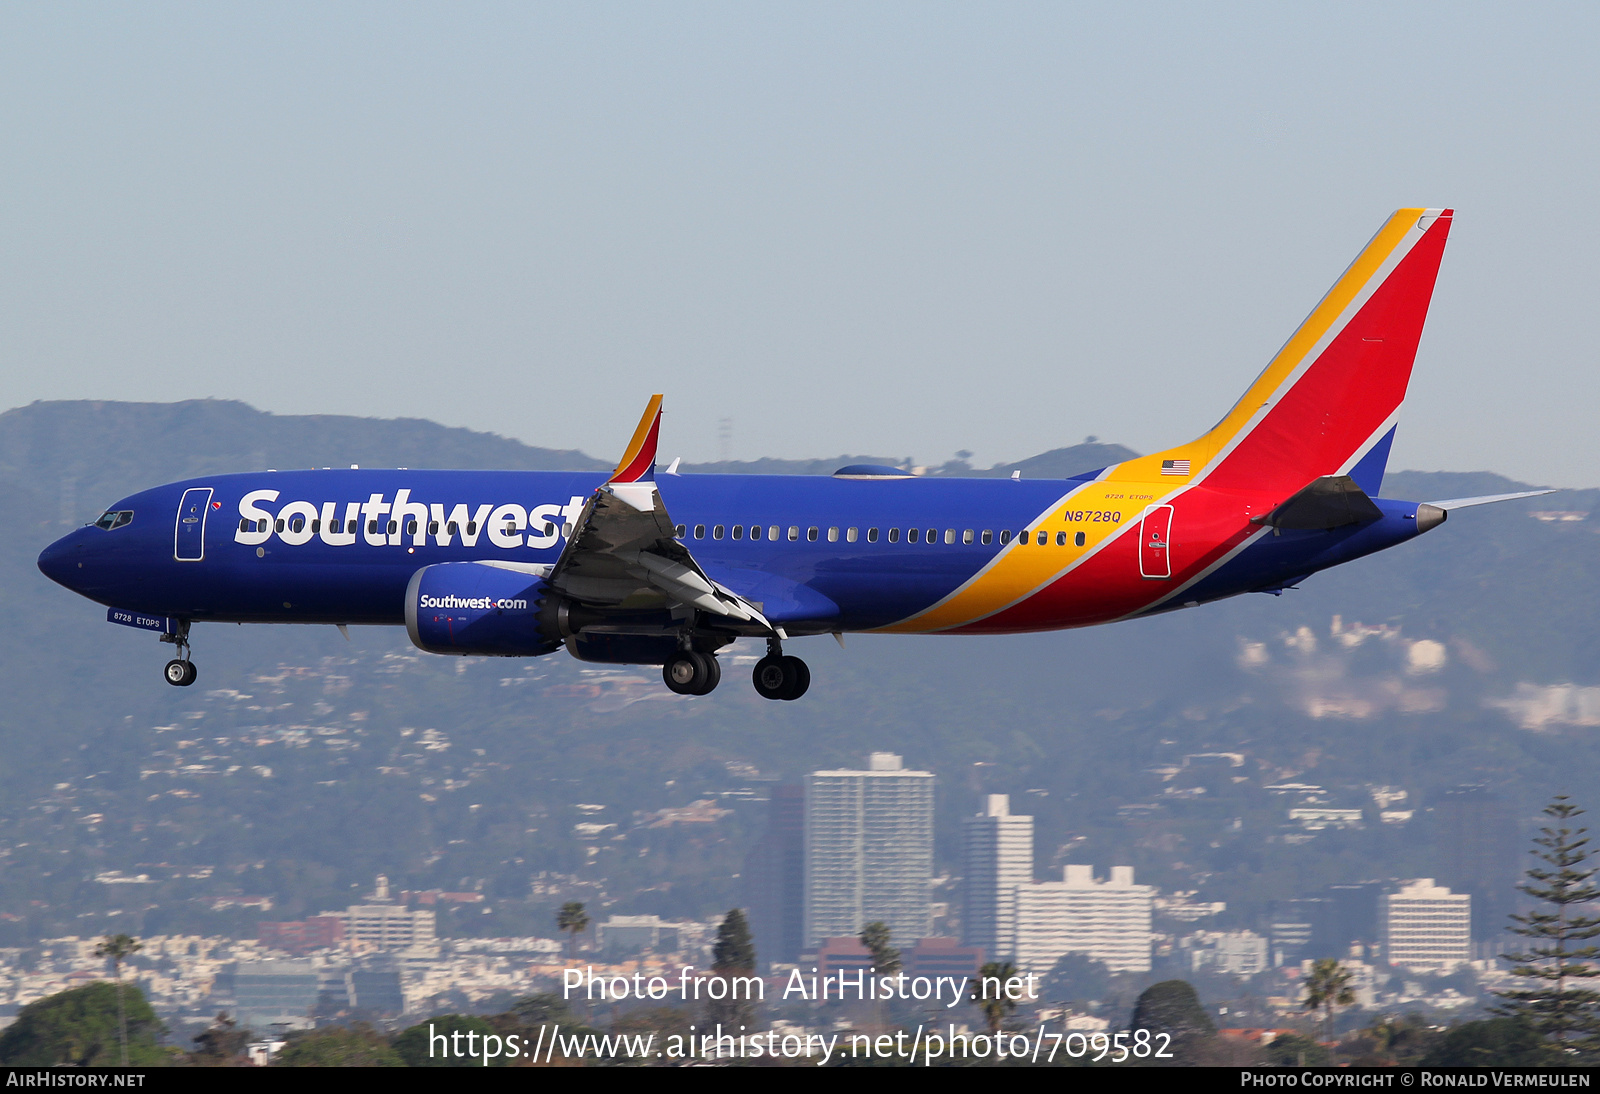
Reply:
x=1328, y=401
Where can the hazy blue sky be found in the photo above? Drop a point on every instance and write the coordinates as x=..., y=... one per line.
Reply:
x=895, y=229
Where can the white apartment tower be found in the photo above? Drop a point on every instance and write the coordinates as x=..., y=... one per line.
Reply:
x=997, y=854
x=1106, y=920
x=1426, y=926
x=869, y=850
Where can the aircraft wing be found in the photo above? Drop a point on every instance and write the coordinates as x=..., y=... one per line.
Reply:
x=623, y=553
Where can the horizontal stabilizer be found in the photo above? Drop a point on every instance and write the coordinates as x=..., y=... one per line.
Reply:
x=1487, y=499
x=1329, y=502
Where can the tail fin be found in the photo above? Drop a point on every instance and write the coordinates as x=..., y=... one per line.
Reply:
x=1327, y=403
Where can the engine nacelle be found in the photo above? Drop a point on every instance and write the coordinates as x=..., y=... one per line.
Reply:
x=483, y=610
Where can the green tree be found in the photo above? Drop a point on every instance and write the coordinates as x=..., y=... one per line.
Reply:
x=1294, y=1050
x=357, y=1045
x=1328, y=986
x=117, y=948
x=1495, y=1042
x=574, y=921
x=220, y=1044
x=1173, y=1008
x=1560, y=952
x=885, y=958
x=438, y=1041
x=733, y=956
x=989, y=994
x=1078, y=977
x=79, y=1028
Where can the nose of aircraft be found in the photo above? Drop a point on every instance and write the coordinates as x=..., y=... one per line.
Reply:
x=62, y=561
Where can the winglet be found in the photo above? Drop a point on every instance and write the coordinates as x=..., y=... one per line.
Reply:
x=639, y=461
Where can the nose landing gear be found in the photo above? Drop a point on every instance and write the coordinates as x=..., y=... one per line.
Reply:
x=180, y=671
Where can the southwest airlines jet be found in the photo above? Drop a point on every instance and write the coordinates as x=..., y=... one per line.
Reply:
x=667, y=569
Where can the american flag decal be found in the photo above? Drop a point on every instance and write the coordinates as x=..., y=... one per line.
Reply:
x=1174, y=467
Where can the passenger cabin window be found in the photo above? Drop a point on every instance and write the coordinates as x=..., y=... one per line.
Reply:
x=394, y=526
x=1061, y=539
x=1043, y=537
x=933, y=535
x=279, y=524
x=699, y=531
x=913, y=534
x=1005, y=536
x=872, y=535
x=1022, y=538
x=717, y=531
x=334, y=526
x=1079, y=539
x=738, y=531
x=794, y=533
x=967, y=536
x=242, y=523
x=433, y=528
x=451, y=528
x=894, y=535
x=472, y=527
x=833, y=535
x=950, y=535
x=679, y=531
x=755, y=531
x=811, y=534
x=316, y=526
x=850, y=534
x=988, y=537
x=411, y=528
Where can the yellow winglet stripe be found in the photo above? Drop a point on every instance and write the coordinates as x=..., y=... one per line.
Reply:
x=640, y=436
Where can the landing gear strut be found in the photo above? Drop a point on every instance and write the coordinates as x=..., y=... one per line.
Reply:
x=690, y=673
x=779, y=677
x=180, y=671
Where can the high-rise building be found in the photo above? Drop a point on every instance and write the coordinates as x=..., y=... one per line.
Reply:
x=868, y=850
x=1106, y=920
x=275, y=993
x=1475, y=839
x=1299, y=929
x=1426, y=926
x=997, y=853
x=774, y=878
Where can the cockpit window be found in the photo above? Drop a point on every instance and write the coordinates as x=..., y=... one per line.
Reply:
x=114, y=518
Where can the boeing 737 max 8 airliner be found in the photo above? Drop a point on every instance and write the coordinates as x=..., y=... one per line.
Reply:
x=666, y=570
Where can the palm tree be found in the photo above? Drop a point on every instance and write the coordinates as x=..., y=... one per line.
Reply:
x=1328, y=986
x=119, y=947
x=994, y=1004
x=574, y=921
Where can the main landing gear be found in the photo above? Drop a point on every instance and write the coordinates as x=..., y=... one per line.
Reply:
x=780, y=677
x=180, y=671
x=690, y=673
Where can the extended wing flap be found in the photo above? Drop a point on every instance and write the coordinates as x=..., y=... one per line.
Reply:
x=1331, y=501
x=624, y=550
